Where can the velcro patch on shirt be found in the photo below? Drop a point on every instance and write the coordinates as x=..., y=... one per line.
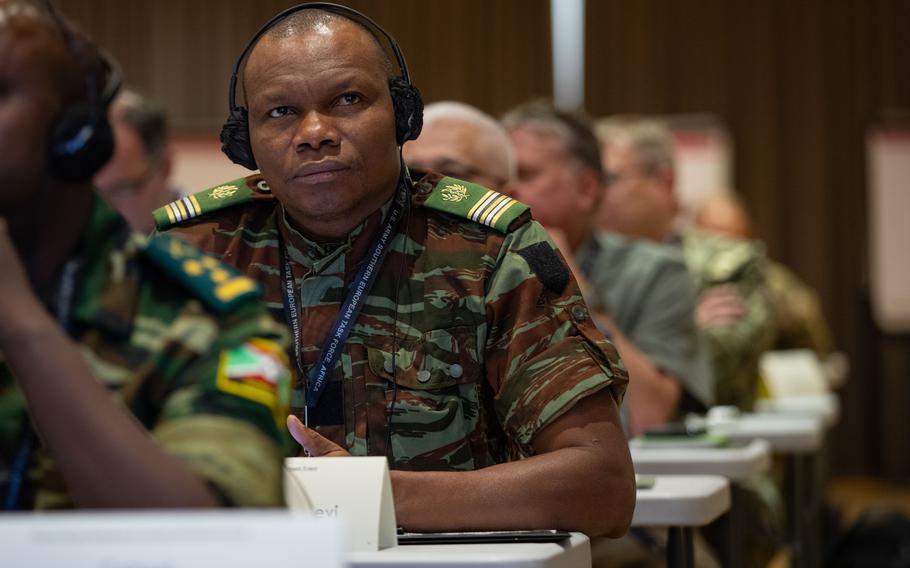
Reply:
x=549, y=268
x=257, y=371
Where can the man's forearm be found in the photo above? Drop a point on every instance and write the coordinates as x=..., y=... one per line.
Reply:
x=106, y=457
x=585, y=485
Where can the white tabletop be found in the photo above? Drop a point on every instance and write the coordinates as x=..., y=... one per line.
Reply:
x=574, y=553
x=786, y=434
x=682, y=501
x=738, y=463
x=826, y=406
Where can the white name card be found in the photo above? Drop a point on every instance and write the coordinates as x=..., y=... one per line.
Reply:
x=170, y=539
x=356, y=490
x=794, y=372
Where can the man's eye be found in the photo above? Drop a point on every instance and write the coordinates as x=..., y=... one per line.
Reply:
x=278, y=112
x=348, y=99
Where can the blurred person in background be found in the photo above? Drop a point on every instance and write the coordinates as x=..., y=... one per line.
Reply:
x=468, y=345
x=640, y=291
x=135, y=373
x=798, y=314
x=136, y=180
x=463, y=142
x=734, y=313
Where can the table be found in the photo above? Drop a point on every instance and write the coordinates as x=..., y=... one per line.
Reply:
x=735, y=462
x=573, y=553
x=681, y=502
x=799, y=439
x=738, y=463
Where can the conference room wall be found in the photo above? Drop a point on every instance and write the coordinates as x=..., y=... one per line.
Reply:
x=797, y=83
x=489, y=53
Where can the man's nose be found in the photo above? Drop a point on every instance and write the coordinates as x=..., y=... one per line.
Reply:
x=314, y=131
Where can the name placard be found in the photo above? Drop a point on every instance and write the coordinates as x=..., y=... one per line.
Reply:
x=355, y=490
x=794, y=372
x=168, y=539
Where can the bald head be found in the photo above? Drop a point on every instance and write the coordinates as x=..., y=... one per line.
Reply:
x=323, y=23
x=724, y=214
x=461, y=141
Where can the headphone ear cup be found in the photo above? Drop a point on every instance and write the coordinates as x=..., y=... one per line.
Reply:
x=81, y=142
x=235, y=139
x=408, y=110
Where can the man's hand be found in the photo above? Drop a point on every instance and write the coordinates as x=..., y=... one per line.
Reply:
x=18, y=303
x=313, y=444
x=720, y=305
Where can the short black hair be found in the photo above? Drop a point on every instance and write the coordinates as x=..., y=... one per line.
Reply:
x=573, y=128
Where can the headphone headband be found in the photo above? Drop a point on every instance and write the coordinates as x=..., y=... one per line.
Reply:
x=344, y=11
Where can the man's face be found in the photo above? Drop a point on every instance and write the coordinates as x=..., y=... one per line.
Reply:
x=132, y=182
x=637, y=202
x=31, y=60
x=549, y=181
x=322, y=125
x=459, y=149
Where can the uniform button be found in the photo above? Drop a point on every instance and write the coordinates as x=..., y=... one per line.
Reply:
x=423, y=376
x=388, y=366
x=579, y=312
x=456, y=371
x=263, y=186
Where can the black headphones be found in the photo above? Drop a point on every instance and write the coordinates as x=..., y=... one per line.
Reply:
x=235, y=134
x=81, y=140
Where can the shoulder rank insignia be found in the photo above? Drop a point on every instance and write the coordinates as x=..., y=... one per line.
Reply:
x=212, y=199
x=476, y=203
x=219, y=286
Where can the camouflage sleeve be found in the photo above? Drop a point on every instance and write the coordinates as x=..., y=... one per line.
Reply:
x=736, y=347
x=225, y=401
x=543, y=352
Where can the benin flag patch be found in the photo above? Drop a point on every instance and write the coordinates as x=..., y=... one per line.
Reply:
x=257, y=371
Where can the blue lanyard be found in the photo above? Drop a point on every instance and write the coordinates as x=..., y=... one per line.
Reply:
x=350, y=309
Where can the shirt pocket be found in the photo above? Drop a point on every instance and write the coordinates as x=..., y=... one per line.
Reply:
x=433, y=387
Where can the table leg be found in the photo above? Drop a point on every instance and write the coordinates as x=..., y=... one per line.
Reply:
x=680, y=553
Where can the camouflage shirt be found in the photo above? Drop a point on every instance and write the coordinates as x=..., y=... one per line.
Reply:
x=184, y=344
x=713, y=260
x=490, y=336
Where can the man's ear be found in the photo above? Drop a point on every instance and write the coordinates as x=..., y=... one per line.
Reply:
x=590, y=189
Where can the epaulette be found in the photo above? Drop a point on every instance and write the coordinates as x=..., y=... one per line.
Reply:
x=219, y=286
x=236, y=192
x=475, y=202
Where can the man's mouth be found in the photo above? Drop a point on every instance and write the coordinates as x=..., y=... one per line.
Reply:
x=319, y=172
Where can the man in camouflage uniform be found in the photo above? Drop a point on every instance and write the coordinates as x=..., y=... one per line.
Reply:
x=472, y=345
x=734, y=313
x=195, y=364
x=798, y=315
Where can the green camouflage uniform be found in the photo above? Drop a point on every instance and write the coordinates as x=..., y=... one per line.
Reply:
x=713, y=260
x=185, y=344
x=800, y=321
x=492, y=340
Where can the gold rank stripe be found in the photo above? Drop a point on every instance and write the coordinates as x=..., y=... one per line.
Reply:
x=490, y=208
x=183, y=209
x=489, y=195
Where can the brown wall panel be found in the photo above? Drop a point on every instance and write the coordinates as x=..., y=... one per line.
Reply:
x=798, y=83
x=492, y=54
